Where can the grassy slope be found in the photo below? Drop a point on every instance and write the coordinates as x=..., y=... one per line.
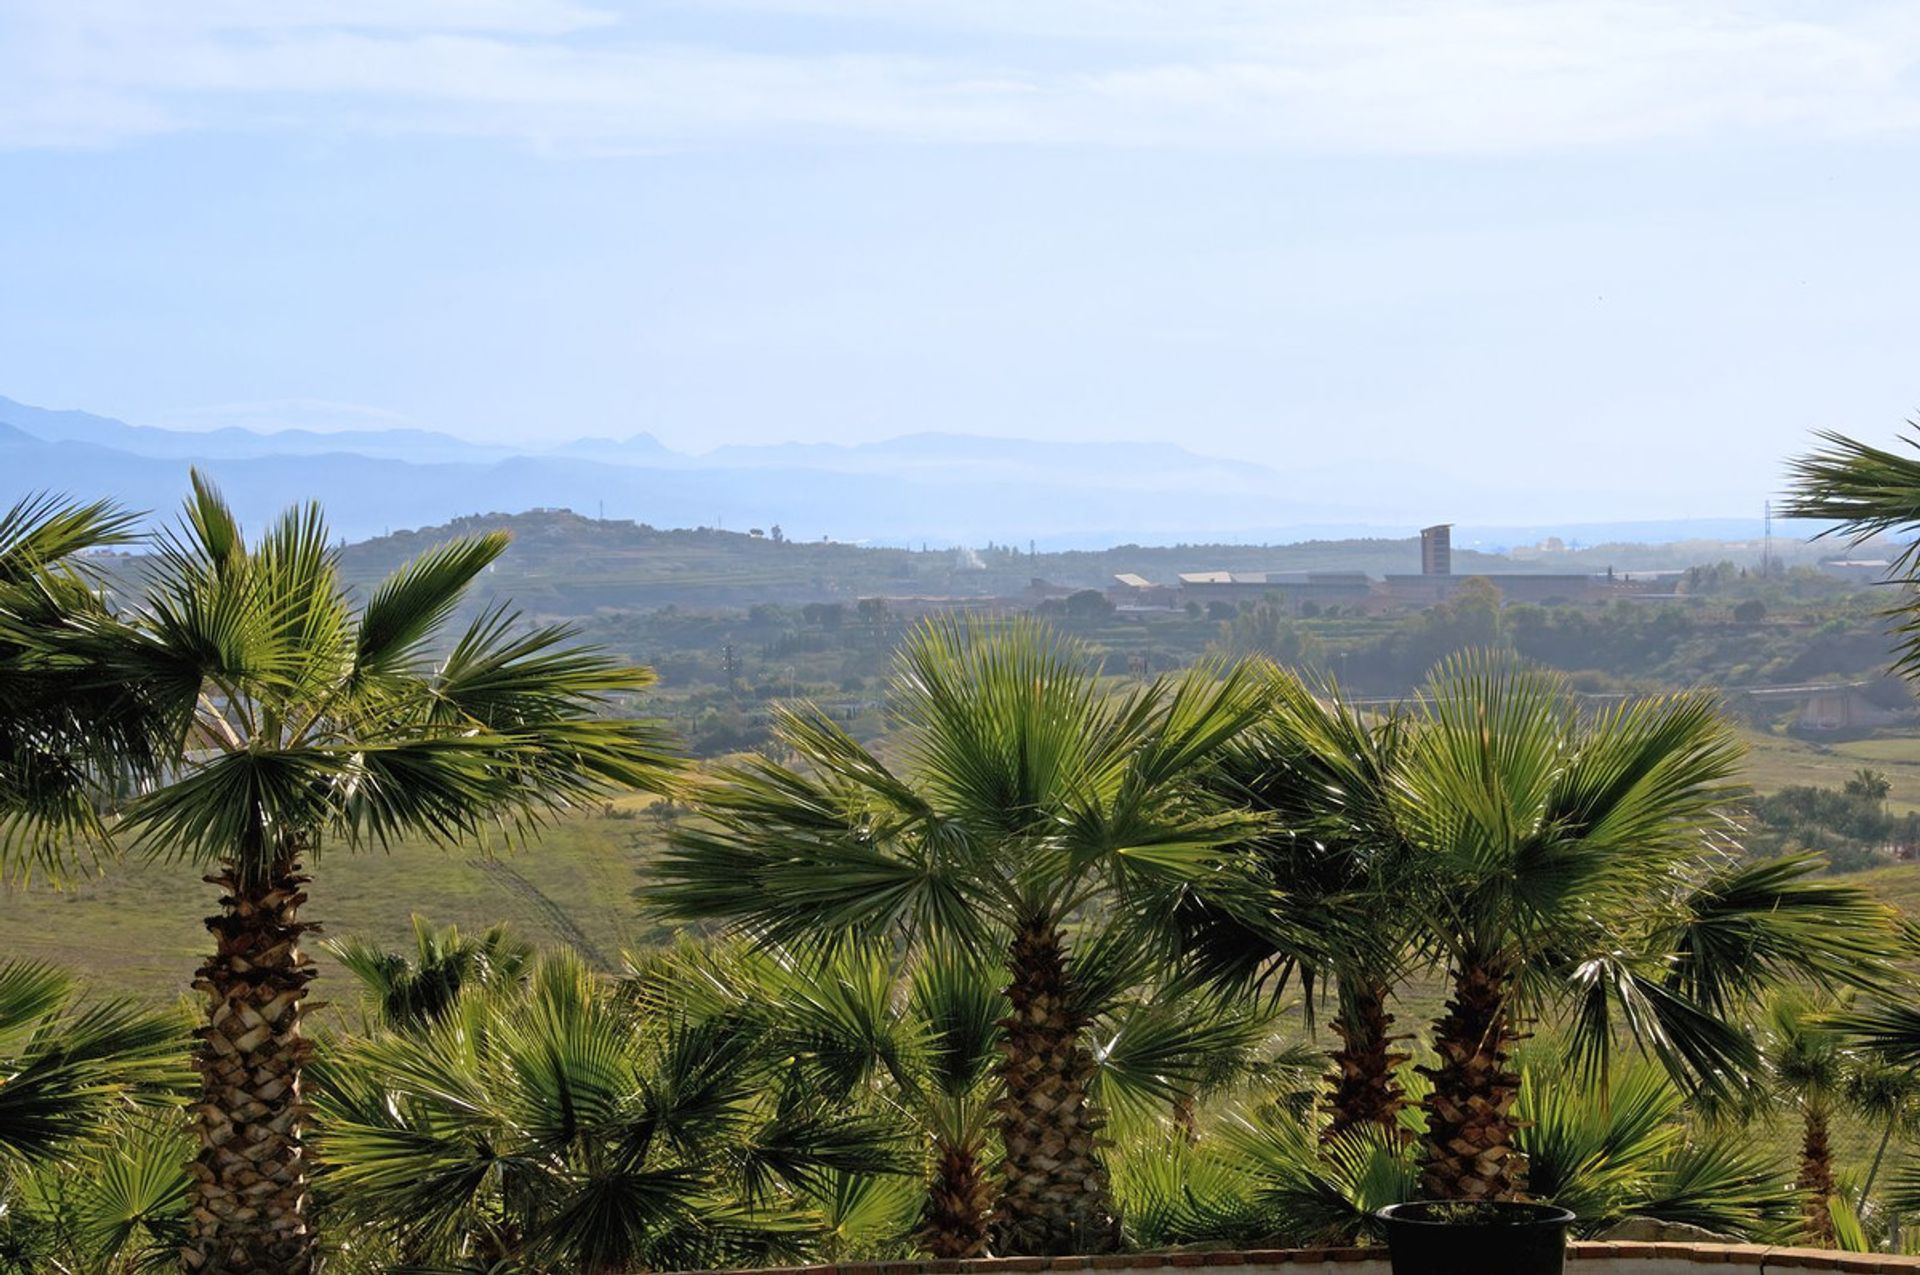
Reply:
x=1775, y=761
x=136, y=927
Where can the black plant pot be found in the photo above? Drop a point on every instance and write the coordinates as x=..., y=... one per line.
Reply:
x=1432, y=1237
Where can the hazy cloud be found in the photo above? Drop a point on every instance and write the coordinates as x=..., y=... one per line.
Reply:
x=1366, y=75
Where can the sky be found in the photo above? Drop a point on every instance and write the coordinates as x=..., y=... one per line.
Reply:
x=1632, y=250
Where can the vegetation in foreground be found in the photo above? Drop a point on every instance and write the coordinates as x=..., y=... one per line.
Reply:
x=1057, y=926
x=241, y=715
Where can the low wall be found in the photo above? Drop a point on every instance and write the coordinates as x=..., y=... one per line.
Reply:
x=1584, y=1258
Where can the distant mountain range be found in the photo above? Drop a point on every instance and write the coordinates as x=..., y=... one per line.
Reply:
x=936, y=488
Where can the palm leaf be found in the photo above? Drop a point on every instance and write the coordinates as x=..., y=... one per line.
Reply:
x=411, y=605
x=1865, y=491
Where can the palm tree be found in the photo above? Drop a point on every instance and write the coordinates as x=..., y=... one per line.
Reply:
x=1325, y=775
x=1630, y=1152
x=1869, y=783
x=1888, y=1032
x=67, y=1065
x=1579, y=862
x=855, y=1028
x=1030, y=796
x=1812, y=1068
x=113, y=1205
x=90, y=1094
x=276, y=716
x=405, y=992
x=1866, y=491
x=923, y=1041
x=1268, y=1177
x=65, y=737
x=556, y=1125
x=959, y=1001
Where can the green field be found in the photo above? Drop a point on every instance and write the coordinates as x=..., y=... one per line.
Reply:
x=1775, y=761
x=136, y=926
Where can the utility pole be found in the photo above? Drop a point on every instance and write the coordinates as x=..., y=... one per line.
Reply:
x=1766, y=551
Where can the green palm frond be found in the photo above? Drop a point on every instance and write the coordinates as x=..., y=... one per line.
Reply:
x=44, y=532
x=1595, y=1157
x=561, y=1115
x=67, y=1064
x=959, y=1001
x=1153, y=1053
x=411, y=990
x=1750, y=925
x=867, y=1213
x=1889, y=1029
x=1721, y=1183
x=1903, y=1189
x=504, y=675
x=68, y=739
x=1320, y=1193
x=411, y=605
x=1612, y=997
x=1865, y=491
x=1029, y=790
x=131, y=1207
x=114, y=1204
x=1010, y=724
x=1172, y=1193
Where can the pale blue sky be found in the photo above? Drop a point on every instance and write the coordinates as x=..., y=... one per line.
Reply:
x=1634, y=251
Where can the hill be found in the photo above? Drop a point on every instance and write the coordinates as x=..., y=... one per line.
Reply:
x=562, y=563
x=941, y=488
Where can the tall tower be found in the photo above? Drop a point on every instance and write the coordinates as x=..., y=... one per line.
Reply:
x=1436, y=550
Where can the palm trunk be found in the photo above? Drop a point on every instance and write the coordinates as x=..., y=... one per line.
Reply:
x=1815, y=1182
x=1468, y=1152
x=1054, y=1197
x=1186, y=1117
x=1364, y=1090
x=959, y=1198
x=247, y=1213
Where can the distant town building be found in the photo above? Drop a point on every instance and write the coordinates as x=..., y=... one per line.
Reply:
x=1436, y=550
x=1436, y=583
x=1137, y=593
x=1039, y=590
x=1860, y=570
x=1290, y=587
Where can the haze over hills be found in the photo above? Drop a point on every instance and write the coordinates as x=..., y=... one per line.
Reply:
x=938, y=488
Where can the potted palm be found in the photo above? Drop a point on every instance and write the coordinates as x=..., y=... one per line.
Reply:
x=1467, y=1237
